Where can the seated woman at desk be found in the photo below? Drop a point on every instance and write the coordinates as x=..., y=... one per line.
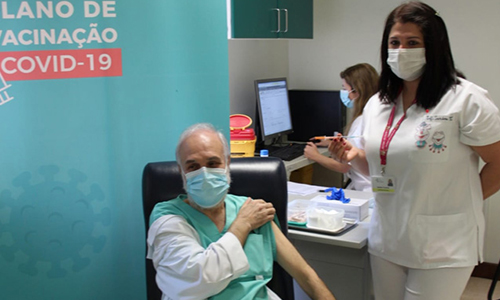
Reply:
x=359, y=83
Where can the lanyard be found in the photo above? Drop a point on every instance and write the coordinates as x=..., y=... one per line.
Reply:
x=388, y=135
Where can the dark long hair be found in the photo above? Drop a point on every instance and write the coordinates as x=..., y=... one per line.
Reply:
x=439, y=75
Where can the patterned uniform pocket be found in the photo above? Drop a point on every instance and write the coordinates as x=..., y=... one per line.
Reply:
x=431, y=139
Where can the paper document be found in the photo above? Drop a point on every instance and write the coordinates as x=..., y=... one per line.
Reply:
x=303, y=189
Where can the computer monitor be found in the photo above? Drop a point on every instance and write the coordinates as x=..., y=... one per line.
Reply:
x=273, y=108
x=315, y=113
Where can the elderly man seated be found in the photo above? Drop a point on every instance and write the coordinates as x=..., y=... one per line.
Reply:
x=210, y=244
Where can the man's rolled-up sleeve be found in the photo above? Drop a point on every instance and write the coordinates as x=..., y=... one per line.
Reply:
x=186, y=270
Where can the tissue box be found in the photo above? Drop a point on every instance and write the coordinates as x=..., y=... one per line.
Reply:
x=329, y=218
x=356, y=209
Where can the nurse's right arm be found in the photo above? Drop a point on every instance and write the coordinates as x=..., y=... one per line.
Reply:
x=185, y=270
x=311, y=152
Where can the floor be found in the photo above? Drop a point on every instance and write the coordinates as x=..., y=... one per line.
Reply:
x=477, y=289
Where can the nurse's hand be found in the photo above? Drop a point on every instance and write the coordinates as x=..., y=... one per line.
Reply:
x=311, y=151
x=321, y=143
x=252, y=215
x=342, y=150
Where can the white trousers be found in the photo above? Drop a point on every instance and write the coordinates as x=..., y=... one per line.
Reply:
x=395, y=282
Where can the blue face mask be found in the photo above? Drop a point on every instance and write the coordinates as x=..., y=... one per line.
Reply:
x=207, y=186
x=344, y=96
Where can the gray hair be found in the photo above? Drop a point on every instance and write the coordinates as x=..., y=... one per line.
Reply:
x=197, y=127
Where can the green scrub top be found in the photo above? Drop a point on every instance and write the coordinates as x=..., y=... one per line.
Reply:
x=260, y=246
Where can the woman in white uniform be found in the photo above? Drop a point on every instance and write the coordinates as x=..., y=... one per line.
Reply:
x=424, y=134
x=359, y=83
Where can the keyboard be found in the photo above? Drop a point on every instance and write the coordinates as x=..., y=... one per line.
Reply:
x=288, y=152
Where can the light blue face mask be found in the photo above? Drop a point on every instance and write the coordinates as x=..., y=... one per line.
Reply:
x=344, y=96
x=207, y=186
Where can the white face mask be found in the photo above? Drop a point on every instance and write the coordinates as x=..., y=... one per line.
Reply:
x=407, y=64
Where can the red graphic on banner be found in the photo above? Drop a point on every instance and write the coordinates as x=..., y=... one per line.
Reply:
x=58, y=64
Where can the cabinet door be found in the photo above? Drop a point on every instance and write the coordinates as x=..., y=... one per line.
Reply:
x=296, y=19
x=254, y=18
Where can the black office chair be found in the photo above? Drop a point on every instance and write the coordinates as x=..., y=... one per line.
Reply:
x=496, y=276
x=259, y=178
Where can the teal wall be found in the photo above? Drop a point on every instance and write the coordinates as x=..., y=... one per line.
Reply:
x=72, y=150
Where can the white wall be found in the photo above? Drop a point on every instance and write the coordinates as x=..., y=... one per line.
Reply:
x=250, y=60
x=348, y=32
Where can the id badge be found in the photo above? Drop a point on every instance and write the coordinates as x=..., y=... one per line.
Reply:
x=383, y=184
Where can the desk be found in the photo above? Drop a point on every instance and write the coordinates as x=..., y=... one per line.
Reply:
x=301, y=162
x=341, y=261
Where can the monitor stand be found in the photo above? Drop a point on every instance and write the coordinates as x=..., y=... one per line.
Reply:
x=280, y=141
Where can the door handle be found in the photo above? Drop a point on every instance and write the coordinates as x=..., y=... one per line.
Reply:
x=279, y=19
x=286, y=19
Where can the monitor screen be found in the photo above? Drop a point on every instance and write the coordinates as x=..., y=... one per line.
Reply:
x=273, y=108
x=315, y=113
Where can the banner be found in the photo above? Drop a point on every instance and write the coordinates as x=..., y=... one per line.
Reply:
x=91, y=91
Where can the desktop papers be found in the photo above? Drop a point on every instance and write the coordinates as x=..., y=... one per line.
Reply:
x=303, y=189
